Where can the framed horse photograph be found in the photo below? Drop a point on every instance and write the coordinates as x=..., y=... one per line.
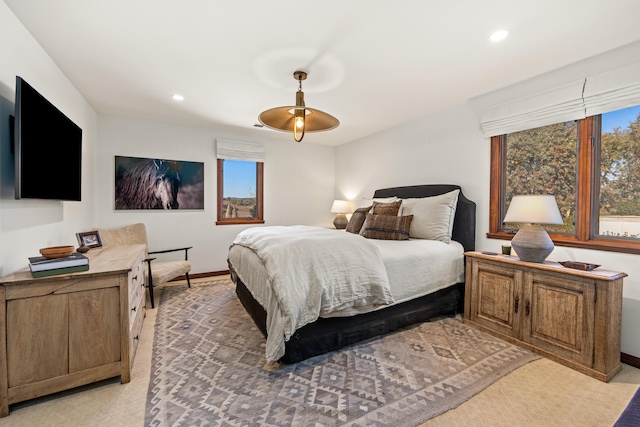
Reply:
x=143, y=183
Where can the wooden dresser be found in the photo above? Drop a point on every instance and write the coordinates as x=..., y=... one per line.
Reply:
x=570, y=316
x=65, y=331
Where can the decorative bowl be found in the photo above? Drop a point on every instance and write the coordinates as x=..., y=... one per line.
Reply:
x=579, y=265
x=56, y=251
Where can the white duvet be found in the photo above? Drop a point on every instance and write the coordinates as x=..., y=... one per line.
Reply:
x=311, y=272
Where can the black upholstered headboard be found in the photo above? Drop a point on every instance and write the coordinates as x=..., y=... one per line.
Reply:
x=464, y=224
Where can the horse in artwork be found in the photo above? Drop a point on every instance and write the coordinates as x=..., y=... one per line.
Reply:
x=149, y=184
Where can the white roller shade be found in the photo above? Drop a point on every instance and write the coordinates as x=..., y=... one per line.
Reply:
x=613, y=90
x=234, y=150
x=545, y=108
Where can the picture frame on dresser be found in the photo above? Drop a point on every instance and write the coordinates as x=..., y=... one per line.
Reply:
x=90, y=239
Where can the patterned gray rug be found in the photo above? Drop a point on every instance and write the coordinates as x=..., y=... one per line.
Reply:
x=208, y=369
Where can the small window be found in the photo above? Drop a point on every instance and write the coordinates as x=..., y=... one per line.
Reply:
x=239, y=192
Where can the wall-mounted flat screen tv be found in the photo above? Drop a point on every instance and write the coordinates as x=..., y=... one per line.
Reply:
x=48, y=149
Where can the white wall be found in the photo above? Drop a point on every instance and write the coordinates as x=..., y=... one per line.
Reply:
x=449, y=147
x=298, y=185
x=27, y=225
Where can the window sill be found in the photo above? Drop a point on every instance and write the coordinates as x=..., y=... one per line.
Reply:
x=239, y=221
x=598, y=244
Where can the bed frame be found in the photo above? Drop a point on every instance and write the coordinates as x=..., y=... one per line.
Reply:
x=330, y=334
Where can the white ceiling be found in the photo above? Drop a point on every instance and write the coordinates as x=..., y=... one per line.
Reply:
x=373, y=64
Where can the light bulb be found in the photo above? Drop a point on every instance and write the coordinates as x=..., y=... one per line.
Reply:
x=299, y=122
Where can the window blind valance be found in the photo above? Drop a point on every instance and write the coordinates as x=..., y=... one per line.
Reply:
x=234, y=150
x=597, y=94
x=613, y=90
x=552, y=106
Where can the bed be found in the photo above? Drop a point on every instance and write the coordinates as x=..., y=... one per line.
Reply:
x=349, y=325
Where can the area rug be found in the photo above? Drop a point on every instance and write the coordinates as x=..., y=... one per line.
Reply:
x=208, y=368
x=630, y=417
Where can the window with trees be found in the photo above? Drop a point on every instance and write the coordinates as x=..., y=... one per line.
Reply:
x=591, y=165
x=240, y=192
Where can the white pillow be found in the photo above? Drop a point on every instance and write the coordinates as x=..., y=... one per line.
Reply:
x=432, y=216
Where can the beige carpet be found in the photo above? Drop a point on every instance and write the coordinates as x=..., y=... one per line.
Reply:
x=542, y=393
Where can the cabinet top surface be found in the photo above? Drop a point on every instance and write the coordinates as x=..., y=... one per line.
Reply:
x=552, y=266
x=102, y=261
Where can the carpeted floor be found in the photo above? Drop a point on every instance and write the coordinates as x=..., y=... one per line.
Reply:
x=208, y=368
x=631, y=415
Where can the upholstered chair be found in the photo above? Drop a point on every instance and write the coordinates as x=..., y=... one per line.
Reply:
x=158, y=272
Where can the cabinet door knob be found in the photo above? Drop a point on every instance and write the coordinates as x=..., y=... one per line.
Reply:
x=516, y=304
x=134, y=309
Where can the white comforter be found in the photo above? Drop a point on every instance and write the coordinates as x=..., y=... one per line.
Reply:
x=313, y=272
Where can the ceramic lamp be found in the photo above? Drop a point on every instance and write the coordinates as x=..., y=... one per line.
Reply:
x=341, y=207
x=532, y=242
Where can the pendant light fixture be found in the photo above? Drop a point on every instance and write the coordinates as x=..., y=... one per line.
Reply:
x=298, y=119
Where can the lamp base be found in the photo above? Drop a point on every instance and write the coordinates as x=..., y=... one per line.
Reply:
x=340, y=222
x=532, y=243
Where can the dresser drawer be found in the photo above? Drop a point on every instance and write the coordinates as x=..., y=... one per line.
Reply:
x=135, y=305
x=136, y=280
x=136, y=329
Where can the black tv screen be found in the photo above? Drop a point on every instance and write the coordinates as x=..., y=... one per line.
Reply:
x=48, y=149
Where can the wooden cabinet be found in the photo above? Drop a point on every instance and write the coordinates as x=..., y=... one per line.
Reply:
x=567, y=315
x=64, y=331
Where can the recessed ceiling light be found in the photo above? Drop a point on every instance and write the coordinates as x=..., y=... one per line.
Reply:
x=498, y=35
x=178, y=97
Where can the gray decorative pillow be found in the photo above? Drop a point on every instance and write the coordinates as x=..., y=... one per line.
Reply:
x=387, y=227
x=386, y=208
x=357, y=219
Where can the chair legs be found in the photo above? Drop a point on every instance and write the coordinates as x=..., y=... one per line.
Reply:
x=188, y=281
x=150, y=278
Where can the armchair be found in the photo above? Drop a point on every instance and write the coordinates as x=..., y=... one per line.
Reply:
x=158, y=272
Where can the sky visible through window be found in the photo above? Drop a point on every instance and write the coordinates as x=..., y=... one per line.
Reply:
x=619, y=118
x=239, y=179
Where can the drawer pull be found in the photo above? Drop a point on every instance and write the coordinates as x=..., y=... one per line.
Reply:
x=516, y=304
x=136, y=337
x=135, y=277
x=134, y=309
x=527, y=307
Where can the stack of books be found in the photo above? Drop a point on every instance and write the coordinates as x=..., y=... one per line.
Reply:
x=43, y=267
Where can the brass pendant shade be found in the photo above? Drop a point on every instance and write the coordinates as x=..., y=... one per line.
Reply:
x=298, y=119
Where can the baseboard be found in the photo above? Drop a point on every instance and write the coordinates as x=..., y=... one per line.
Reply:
x=201, y=275
x=630, y=360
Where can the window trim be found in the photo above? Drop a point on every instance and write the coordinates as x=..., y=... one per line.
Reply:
x=259, y=197
x=587, y=189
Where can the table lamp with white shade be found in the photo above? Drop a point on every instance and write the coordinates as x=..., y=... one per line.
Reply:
x=532, y=242
x=341, y=207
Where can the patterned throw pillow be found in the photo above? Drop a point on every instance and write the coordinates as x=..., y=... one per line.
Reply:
x=357, y=219
x=387, y=227
x=386, y=208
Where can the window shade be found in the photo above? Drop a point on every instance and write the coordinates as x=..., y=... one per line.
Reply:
x=608, y=91
x=552, y=106
x=234, y=150
x=613, y=90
